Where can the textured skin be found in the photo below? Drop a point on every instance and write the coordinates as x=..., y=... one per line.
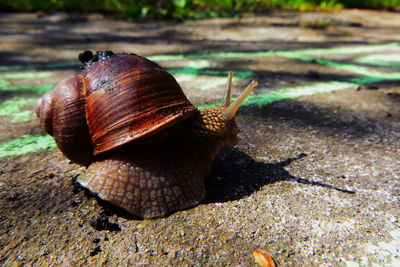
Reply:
x=153, y=180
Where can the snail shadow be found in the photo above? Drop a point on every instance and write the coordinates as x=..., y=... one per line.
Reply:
x=236, y=175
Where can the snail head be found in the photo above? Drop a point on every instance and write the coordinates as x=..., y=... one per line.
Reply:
x=220, y=120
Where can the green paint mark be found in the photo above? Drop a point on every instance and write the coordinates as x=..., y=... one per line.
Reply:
x=29, y=144
x=290, y=92
x=212, y=55
x=25, y=145
x=13, y=108
x=188, y=74
x=209, y=83
x=215, y=83
x=322, y=51
x=196, y=72
x=195, y=67
x=198, y=64
x=27, y=75
x=347, y=67
x=41, y=88
x=4, y=83
x=366, y=80
x=346, y=50
x=41, y=65
x=385, y=60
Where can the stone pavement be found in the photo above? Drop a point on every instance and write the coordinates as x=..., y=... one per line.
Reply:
x=314, y=179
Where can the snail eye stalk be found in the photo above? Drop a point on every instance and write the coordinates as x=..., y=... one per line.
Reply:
x=227, y=98
x=231, y=109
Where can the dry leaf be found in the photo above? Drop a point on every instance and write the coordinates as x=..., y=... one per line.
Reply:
x=263, y=258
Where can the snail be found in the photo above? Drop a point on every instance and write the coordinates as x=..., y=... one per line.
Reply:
x=147, y=149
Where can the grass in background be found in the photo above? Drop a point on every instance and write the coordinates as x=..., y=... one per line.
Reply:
x=188, y=9
x=374, y=4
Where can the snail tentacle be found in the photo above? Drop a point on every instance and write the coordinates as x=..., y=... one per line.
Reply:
x=230, y=111
x=228, y=91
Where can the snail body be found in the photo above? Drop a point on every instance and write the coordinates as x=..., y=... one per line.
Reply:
x=147, y=148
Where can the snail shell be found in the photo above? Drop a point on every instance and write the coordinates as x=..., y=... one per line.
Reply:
x=147, y=148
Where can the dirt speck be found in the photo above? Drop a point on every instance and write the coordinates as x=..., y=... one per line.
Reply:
x=102, y=222
x=95, y=251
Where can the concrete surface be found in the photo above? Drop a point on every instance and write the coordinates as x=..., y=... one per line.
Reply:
x=314, y=179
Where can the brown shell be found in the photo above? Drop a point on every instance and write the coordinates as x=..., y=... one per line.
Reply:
x=128, y=97
x=62, y=114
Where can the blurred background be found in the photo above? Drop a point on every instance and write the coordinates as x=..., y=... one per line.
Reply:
x=185, y=9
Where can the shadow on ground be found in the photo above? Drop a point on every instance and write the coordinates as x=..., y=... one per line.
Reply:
x=236, y=175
